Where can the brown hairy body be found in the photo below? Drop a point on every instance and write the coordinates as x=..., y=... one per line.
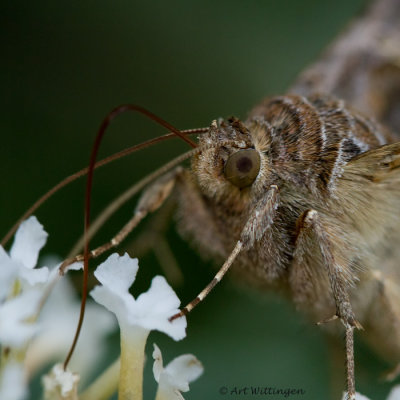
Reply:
x=325, y=157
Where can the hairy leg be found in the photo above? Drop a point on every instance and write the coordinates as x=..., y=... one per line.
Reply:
x=300, y=280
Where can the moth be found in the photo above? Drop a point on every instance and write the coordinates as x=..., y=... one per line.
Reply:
x=303, y=195
x=302, y=198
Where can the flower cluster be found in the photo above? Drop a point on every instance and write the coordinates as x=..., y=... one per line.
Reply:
x=136, y=318
x=20, y=297
x=38, y=313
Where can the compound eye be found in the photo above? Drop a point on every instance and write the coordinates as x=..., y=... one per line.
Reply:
x=241, y=168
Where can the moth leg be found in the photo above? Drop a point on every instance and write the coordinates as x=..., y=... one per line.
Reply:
x=152, y=199
x=153, y=239
x=310, y=221
x=259, y=221
x=301, y=280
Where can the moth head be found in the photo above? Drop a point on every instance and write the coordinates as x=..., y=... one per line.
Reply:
x=235, y=165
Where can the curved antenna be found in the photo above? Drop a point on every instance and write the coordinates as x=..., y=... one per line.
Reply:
x=71, y=178
x=100, y=134
x=133, y=107
x=115, y=205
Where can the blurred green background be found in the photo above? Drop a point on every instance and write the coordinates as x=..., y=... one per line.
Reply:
x=64, y=65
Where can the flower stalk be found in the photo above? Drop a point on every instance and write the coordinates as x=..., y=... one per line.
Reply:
x=133, y=342
x=105, y=385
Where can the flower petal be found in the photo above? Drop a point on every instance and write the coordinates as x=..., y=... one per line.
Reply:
x=8, y=272
x=34, y=276
x=175, y=378
x=60, y=384
x=185, y=368
x=116, y=303
x=160, y=297
x=29, y=239
x=394, y=393
x=158, y=367
x=118, y=272
x=12, y=383
x=151, y=310
x=156, y=306
x=76, y=266
x=14, y=330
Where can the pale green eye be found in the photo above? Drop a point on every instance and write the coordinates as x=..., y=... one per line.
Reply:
x=241, y=168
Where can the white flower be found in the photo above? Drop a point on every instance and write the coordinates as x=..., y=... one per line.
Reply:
x=15, y=327
x=58, y=320
x=150, y=311
x=394, y=393
x=175, y=377
x=60, y=384
x=28, y=241
x=12, y=383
